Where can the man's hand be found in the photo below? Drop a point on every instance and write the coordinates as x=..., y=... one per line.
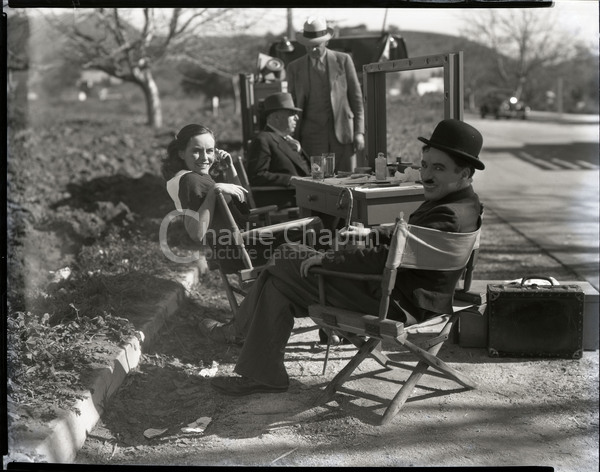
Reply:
x=356, y=231
x=315, y=260
x=359, y=142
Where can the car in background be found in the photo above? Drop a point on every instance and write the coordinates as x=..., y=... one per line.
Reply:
x=503, y=105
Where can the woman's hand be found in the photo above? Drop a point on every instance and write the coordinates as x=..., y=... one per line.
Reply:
x=223, y=156
x=233, y=190
x=306, y=264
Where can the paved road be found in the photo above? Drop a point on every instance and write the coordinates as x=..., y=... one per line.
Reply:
x=542, y=177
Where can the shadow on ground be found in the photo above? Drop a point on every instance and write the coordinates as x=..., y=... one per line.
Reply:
x=571, y=153
x=145, y=196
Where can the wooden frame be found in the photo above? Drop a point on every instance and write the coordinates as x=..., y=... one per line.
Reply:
x=374, y=78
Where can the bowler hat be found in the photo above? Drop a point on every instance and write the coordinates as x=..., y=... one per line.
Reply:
x=315, y=32
x=459, y=139
x=279, y=101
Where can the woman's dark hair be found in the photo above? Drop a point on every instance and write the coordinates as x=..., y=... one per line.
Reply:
x=172, y=163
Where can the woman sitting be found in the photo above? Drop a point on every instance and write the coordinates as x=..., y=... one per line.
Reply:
x=192, y=161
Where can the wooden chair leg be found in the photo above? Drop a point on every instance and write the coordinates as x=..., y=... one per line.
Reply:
x=329, y=336
x=343, y=374
x=376, y=354
x=400, y=398
x=230, y=294
x=427, y=359
x=429, y=356
x=359, y=342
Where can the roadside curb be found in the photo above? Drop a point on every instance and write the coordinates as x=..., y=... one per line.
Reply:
x=60, y=440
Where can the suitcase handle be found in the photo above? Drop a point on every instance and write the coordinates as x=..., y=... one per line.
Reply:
x=536, y=277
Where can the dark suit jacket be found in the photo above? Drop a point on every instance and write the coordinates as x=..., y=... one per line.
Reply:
x=272, y=161
x=423, y=293
x=346, y=95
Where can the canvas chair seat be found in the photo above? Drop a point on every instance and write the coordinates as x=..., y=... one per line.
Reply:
x=412, y=247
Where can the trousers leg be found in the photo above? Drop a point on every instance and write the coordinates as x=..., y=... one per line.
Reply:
x=279, y=294
x=267, y=315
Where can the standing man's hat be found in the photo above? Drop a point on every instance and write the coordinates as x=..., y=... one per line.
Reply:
x=279, y=101
x=459, y=139
x=315, y=32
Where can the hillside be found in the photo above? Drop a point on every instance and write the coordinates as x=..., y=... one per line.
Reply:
x=420, y=43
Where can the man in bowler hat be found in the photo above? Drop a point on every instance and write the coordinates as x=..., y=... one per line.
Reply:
x=325, y=85
x=285, y=289
x=274, y=156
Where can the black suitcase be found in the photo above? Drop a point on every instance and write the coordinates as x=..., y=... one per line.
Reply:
x=535, y=320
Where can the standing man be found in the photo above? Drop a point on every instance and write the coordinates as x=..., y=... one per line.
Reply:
x=274, y=156
x=325, y=85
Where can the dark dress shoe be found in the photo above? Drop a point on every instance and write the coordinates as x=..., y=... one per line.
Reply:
x=240, y=386
x=335, y=339
x=222, y=333
x=323, y=338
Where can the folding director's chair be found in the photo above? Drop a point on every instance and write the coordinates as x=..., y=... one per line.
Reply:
x=411, y=247
x=246, y=253
x=281, y=200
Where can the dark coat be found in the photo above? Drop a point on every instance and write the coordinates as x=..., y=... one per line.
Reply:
x=272, y=161
x=423, y=293
x=266, y=316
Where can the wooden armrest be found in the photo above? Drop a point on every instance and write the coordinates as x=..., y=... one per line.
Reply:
x=271, y=188
x=246, y=275
x=278, y=227
x=346, y=275
x=264, y=209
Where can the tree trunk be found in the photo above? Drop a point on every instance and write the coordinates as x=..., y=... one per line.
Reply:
x=152, y=96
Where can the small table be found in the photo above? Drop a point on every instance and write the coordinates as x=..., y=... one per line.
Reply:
x=373, y=203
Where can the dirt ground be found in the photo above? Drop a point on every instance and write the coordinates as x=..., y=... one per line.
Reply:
x=535, y=412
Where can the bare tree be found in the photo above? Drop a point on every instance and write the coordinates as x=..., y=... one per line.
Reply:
x=522, y=40
x=127, y=44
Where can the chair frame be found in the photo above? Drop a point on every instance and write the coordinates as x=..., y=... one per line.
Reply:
x=240, y=167
x=367, y=331
x=249, y=273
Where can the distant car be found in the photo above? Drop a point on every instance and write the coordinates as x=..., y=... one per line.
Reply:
x=503, y=106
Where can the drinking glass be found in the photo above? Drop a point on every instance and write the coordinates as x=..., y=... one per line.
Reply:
x=317, y=167
x=329, y=169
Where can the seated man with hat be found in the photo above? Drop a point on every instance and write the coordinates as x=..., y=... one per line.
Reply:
x=285, y=289
x=274, y=156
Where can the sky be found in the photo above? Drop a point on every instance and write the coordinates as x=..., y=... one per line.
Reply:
x=577, y=17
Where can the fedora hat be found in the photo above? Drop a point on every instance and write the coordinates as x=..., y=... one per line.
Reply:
x=315, y=32
x=459, y=139
x=279, y=101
